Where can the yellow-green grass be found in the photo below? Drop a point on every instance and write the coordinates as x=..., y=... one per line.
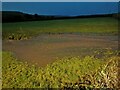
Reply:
x=75, y=72
x=25, y=30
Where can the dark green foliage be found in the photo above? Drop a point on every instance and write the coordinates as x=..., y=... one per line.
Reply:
x=14, y=16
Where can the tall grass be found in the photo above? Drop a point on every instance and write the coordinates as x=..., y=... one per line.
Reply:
x=74, y=72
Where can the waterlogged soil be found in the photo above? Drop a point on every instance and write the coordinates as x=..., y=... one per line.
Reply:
x=45, y=48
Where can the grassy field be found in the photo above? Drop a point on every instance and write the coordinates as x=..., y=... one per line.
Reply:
x=25, y=30
x=90, y=71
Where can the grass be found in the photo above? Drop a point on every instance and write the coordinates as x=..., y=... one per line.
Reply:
x=25, y=30
x=75, y=72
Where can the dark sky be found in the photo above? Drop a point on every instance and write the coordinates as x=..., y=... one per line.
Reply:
x=62, y=8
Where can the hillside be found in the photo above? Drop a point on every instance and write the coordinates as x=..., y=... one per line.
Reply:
x=15, y=16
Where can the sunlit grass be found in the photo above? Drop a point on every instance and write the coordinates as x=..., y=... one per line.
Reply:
x=74, y=72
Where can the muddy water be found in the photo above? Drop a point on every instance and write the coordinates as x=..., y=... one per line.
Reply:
x=45, y=49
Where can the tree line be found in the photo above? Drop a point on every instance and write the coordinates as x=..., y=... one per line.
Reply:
x=14, y=16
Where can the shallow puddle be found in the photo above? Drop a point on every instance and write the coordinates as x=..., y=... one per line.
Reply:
x=45, y=49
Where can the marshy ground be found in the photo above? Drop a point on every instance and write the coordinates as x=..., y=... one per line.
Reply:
x=44, y=49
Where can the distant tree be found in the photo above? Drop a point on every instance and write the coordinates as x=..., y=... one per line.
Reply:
x=36, y=15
